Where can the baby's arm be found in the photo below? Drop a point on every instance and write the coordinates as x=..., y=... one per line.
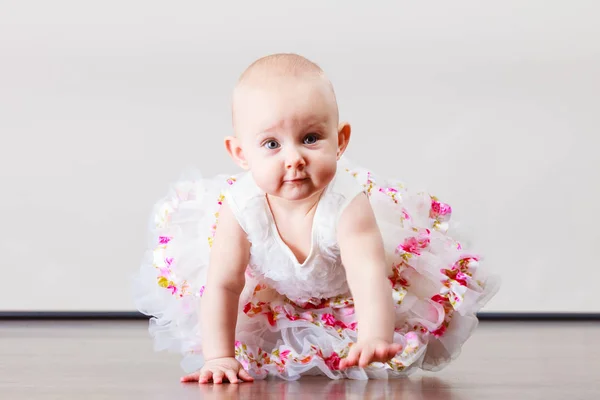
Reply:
x=219, y=305
x=363, y=256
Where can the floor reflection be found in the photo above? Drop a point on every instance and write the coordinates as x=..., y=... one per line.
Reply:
x=414, y=388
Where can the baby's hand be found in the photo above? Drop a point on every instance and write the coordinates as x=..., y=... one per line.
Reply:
x=365, y=352
x=217, y=369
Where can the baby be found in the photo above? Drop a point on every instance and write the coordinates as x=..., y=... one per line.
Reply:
x=304, y=264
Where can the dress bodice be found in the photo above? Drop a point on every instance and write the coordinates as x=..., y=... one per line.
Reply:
x=322, y=274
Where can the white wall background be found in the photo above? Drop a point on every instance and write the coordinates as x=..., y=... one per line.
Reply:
x=494, y=106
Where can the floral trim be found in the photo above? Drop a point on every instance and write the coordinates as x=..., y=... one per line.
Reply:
x=313, y=312
x=260, y=362
x=440, y=213
x=211, y=238
x=369, y=185
x=288, y=312
x=392, y=193
x=414, y=244
x=399, y=283
x=166, y=278
x=282, y=356
x=452, y=294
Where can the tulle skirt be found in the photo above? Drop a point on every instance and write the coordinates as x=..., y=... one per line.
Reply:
x=437, y=285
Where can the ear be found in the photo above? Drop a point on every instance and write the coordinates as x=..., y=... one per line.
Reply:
x=232, y=144
x=344, y=131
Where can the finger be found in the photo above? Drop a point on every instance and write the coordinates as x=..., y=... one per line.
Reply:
x=366, y=357
x=347, y=362
x=205, y=376
x=387, y=351
x=245, y=376
x=353, y=356
x=218, y=376
x=343, y=363
x=191, y=377
x=231, y=376
x=381, y=353
x=394, y=349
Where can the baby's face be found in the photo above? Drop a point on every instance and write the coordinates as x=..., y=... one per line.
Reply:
x=288, y=132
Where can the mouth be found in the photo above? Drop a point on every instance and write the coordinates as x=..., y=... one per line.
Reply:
x=295, y=180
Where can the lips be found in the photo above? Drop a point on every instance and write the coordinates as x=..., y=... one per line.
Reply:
x=295, y=180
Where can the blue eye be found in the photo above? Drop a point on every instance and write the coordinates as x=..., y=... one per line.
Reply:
x=271, y=145
x=310, y=139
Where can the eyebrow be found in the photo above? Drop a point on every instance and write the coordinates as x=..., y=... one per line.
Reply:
x=309, y=123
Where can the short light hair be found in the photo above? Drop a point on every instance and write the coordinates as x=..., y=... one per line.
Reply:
x=276, y=66
x=281, y=64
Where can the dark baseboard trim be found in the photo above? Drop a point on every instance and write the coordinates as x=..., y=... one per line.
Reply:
x=72, y=315
x=494, y=316
x=130, y=316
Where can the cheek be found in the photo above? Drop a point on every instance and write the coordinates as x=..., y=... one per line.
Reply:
x=257, y=160
x=326, y=167
x=262, y=179
x=265, y=175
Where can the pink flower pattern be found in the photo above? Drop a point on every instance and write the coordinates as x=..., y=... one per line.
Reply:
x=333, y=362
x=414, y=245
x=391, y=192
x=439, y=209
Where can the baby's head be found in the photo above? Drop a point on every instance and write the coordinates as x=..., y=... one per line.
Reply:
x=286, y=124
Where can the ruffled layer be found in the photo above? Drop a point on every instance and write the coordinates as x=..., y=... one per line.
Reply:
x=436, y=270
x=171, y=278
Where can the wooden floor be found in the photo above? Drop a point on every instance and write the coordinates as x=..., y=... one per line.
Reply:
x=114, y=360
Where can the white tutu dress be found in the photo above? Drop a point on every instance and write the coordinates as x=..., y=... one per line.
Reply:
x=296, y=318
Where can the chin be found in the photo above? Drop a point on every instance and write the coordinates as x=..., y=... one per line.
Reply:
x=299, y=192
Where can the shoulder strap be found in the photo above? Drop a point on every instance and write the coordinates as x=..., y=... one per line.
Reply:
x=346, y=188
x=239, y=196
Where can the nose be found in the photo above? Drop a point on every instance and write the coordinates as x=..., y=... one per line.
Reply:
x=294, y=159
